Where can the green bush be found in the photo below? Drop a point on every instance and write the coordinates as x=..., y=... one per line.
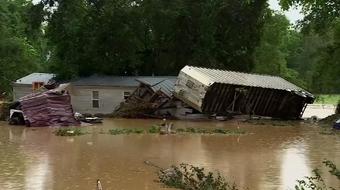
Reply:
x=316, y=181
x=125, y=131
x=189, y=177
x=154, y=129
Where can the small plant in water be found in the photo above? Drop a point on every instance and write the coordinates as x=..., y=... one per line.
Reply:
x=189, y=177
x=210, y=131
x=316, y=182
x=154, y=129
x=68, y=132
x=125, y=131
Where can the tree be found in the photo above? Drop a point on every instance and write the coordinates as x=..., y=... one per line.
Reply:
x=318, y=14
x=18, y=56
x=322, y=23
x=152, y=36
x=278, y=44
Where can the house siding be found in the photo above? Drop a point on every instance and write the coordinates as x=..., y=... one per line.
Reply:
x=21, y=91
x=109, y=98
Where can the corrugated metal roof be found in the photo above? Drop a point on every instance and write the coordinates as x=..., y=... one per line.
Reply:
x=122, y=81
x=165, y=85
x=35, y=77
x=210, y=76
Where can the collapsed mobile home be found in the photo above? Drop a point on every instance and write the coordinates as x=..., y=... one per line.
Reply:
x=154, y=98
x=214, y=91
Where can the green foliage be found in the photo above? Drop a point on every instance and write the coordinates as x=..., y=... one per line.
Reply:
x=157, y=130
x=154, y=129
x=152, y=36
x=278, y=44
x=319, y=14
x=68, y=132
x=188, y=177
x=18, y=55
x=322, y=66
x=125, y=131
x=327, y=99
x=316, y=182
x=326, y=71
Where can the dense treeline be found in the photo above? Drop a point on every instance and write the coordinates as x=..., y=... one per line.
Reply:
x=144, y=37
x=153, y=36
x=19, y=49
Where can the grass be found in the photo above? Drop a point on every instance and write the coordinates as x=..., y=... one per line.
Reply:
x=156, y=130
x=69, y=132
x=327, y=99
x=125, y=131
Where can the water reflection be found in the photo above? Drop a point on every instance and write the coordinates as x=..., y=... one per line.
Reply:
x=37, y=172
x=270, y=158
x=294, y=165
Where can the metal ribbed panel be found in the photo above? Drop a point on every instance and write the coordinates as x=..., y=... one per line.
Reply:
x=160, y=84
x=210, y=76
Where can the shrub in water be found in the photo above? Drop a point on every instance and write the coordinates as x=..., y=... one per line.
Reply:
x=189, y=177
x=68, y=132
x=125, y=131
x=316, y=181
x=154, y=129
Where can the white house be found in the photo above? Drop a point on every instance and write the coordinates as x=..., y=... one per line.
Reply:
x=30, y=83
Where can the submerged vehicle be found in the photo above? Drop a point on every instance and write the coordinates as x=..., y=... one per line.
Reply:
x=16, y=116
x=337, y=124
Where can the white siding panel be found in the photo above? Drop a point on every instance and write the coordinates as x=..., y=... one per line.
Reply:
x=21, y=91
x=109, y=98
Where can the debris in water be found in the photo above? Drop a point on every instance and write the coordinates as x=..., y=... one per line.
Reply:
x=99, y=185
x=68, y=132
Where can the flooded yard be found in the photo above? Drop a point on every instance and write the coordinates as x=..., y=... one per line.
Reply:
x=268, y=157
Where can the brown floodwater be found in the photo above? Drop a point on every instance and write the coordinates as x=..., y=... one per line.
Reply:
x=269, y=157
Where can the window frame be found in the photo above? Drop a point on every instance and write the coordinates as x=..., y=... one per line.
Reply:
x=37, y=85
x=125, y=97
x=93, y=98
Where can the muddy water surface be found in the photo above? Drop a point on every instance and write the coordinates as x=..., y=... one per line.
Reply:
x=270, y=157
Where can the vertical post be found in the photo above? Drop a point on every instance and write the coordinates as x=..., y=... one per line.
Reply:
x=234, y=100
x=303, y=110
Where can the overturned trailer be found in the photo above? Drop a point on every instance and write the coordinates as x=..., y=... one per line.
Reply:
x=216, y=91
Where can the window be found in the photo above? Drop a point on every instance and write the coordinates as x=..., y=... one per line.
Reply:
x=95, y=99
x=37, y=85
x=126, y=95
x=190, y=84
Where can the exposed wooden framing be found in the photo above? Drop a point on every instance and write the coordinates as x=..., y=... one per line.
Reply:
x=224, y=98
x=268, y=102
x=221, y=107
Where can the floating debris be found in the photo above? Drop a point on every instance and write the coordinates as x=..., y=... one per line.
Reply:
x=69, y=132
x=99, y=185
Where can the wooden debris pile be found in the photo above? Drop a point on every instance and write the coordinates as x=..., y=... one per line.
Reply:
x=153, y=98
